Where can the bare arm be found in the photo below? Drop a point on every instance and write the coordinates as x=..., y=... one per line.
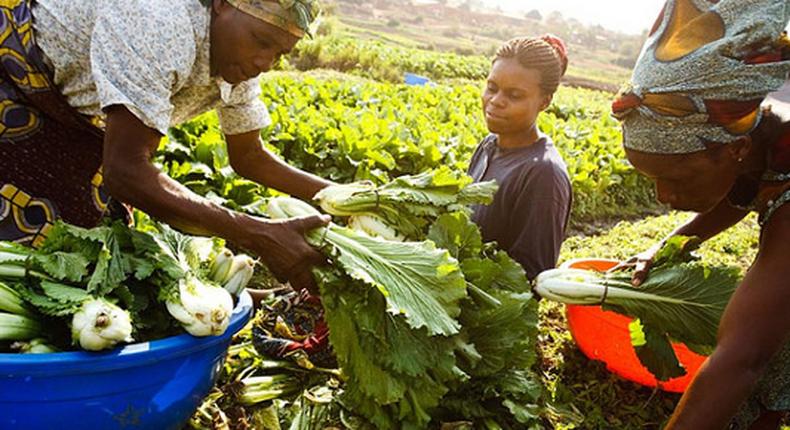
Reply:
x=753, y=328
x=709, y=224
x=250, y=159
x=131, y=177
x=704, y=226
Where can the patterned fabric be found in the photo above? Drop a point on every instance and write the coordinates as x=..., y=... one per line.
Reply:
x=765, y=196
x=50, y=156
x=151, y=56
x=772, y=392
x=704, y=70
x=293, y=16
x=293, y=327
x=771, y=190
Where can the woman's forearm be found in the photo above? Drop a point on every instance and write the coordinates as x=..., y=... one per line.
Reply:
x=145, y=187
x=753, y=328
x=251, y=160
x=709, y=224
x=131, y=177
x=722, y=384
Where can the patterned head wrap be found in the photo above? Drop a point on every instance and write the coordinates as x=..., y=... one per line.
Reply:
x=702, y=74
x=293, y=16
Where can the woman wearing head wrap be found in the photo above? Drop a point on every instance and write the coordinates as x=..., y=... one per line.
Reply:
x=88, y=88
x=531, y=208
x=693, y=123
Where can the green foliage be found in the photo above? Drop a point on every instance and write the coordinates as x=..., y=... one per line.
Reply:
x=365, y=130
x=735, y=247
x=129, y=266
x=408, y=203
x=407, y=361
x=654, y=351
x=499, y=331
x=373, y=59
x=589, y=139
x=347, y=130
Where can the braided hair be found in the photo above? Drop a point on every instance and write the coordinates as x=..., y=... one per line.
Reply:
x=546, y=54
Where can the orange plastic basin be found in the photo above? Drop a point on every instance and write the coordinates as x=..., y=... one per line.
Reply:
x=604, y=336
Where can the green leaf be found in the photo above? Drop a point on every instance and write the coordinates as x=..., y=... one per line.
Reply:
x=395, y=375
x=407, y=203
x=501, y=348
x=685, y=301
x=419, y=281
x=111, y=267
x=678, y=249
x=64, y=293
x=655, y=351
x=372, y=379
x=456, y=233
x=497, y=272
x=65, y=266
x=48, y=306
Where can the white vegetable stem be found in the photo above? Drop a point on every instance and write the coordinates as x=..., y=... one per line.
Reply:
x=220, y=267
x=100, y=325
x=584, y=287
x=334, y=197
x=203, y=310
x=241, y=271
x=373, y=226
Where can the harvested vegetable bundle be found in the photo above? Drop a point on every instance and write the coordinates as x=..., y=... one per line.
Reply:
x=17, y=320
x=408, y=204
x=112, y=284
x=406, y=375
x=678, y=301
x=420, y=282
x=499, y=332
x=391, y=308
x=442, y=329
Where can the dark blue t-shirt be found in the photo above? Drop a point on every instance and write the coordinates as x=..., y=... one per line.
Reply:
x=531, y=209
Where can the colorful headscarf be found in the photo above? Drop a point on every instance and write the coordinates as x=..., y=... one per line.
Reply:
x=293, y=16
x=702, y=74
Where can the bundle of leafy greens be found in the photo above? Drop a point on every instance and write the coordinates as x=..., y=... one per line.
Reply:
x=441, y=330
x=499, y=332
x=391, y=308
x=408, y=204
x=113, y=284
x=680, y=301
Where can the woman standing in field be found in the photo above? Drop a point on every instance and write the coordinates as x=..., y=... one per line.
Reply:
x=530, y=210
x=693, y=123
x=67, y=68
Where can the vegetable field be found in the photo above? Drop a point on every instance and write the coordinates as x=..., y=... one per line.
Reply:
x=420, y=323
x=346, y=129
x=349, y=128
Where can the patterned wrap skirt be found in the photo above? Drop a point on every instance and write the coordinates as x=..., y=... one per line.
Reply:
x=50, y=155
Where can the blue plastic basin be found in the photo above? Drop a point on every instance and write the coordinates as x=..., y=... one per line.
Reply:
x=412, y=79
x=153, y=385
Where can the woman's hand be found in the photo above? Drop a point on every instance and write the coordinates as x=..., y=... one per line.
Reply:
x=282, y=246
x=642, y=263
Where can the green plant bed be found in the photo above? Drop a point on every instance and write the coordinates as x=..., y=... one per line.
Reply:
x=349, y=128
x=385, y=61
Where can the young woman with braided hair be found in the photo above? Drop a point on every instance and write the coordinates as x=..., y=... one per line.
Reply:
x=530, y=210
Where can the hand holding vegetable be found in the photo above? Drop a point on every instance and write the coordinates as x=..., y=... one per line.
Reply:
x=283, y=248
x=672, y=250
x=642, y=263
